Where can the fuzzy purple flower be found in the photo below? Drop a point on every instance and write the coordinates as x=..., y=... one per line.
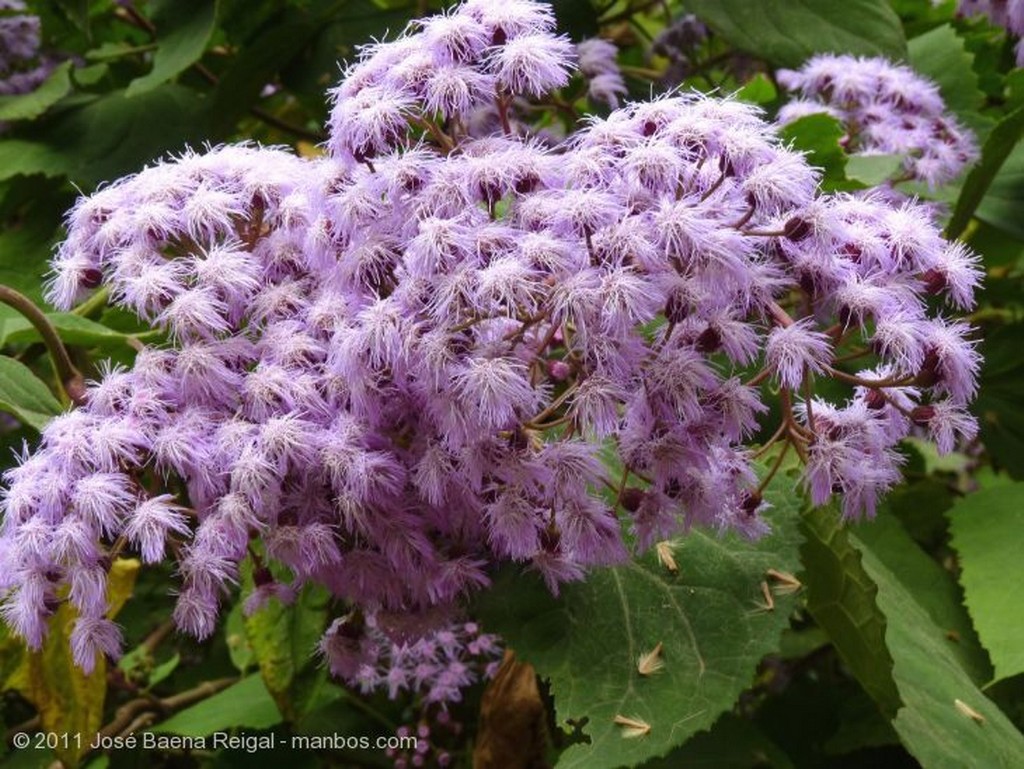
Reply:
x=886, y=108
x=412, y=355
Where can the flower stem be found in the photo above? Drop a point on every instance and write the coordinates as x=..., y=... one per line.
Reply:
x=776, y=464
x=94, y=303
x=72, y=383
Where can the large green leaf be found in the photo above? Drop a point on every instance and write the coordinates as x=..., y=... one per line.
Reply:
x=30, y=105
x=259, y=61
x=940, y=54
x=986, y=527
x=1002, y=201
x=841, y=596
x=996, y=150
x=183, y=31
x=26, y=242
x=19, y=156
x=732, y=743
x=787, y=32
x=818, y=136
x=283, y=640
x=68, y=700
x=1000, y=403
x=707, y=617
x=24, y=395
x=109, y=136
x=73, y=329
x=946, y=722
x=339, y=37
x=932, y=587
x=872, y=170
x=246, y=704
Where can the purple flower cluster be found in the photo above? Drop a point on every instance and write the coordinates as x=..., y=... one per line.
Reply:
x=436, y=666
x=22, y=68
x=598, y=63
x=1008, y=14
x=455, y=66
x=396, y=366
x=886, y=109
x=432, y=666
x=679, y=43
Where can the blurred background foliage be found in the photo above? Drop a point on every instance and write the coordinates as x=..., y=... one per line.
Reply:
x=897, y=644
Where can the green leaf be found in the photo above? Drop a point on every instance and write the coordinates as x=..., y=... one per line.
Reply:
x=68, y=700
x=258, y=62
x=239, y=649
x=109, y=136
x=940, y=54
x=18, y=156
x=30, y=105
x=115, y=135
x=336, y=710
x=1003, y=199
x=164, y=669
x=1000, y=404
x=818, y=136
x=117, y=50
x=872, y=170
x=1001, y=141
x=758, y=90
x=24, y=395
x=986, y=528
x=338, y=40
x=90, y=75
x=933, y=588
x=732, y=743
x=937, y=730
x=919, y=507
x=27, y=246
x=283, y=640
x=183, y=31
x=578, y=20
x=707, y=617
x=73, y=329
x=787, y=32
x=841, y=597
x=861, y=725
x=246, y=705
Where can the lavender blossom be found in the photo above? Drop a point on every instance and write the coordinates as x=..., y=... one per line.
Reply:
x=597, y=63
x=23, y=66
x=886, y=108
x=454, y=65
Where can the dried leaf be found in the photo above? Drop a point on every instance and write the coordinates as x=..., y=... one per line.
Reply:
x=513, y=731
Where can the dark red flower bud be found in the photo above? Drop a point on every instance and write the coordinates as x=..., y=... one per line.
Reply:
x=91, y=278
x=929, y=373
x=550, y=539
x=922, y=415
x=874, y=400
x=751, y=501
x=676, y=308
x=796, y=228
x=934, y=281
x=709, y=340
x=631, y=499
